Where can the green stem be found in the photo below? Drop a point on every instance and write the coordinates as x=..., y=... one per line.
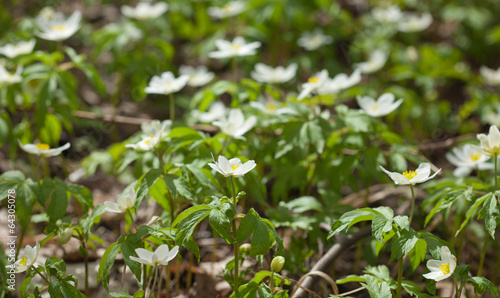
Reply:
x=45, y=167
x=144, y=278
x=412, y=204
x=271, y=283
x=496, y=180
x=236, y=248
x=23, y=231
x=160, y=270
x=400, y=277
x=456, y=287
x=154, y=281
x=167, y=282
x=172, y=107
x=41, y=275
x=483, y=254
x=235, y=70
x=132, y=219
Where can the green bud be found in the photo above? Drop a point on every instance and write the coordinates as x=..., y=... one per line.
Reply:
x=277, y=264
x=65, y=236
x=241, y=195
x=245, y=247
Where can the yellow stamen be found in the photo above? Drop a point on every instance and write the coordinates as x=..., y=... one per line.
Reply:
x=23, y=261
x=374, y=108
x=271, y=106
x=42, y=146
x=59, y=27
x=410, y=174
x=475, y=157
x=236, y=46
x=313, y=80
x=151, y=136
x=234, y=167
x=445, y=268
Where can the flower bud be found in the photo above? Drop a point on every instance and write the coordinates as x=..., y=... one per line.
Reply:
x=245, y=247
x=65, y=236
x=277, y=264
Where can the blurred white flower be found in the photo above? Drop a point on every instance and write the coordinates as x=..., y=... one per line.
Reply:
x=490, y=144
x=420, y=175
x=216, y=111
x=412, y=22
x=232, y=167
x=144, y=10
x=198, y=76
x=311, y=40
x=54, y=26
x=231, y=9
x=468, y=158
x=444, y=268
x=490, y=76
x=166, y=83
x=43, y=149
x=313, y=83
x=238, y=47
x=125, y=201
x=375, y=62
x=391, y=14
x=235, y=124
x=340, y=82
x=13, y=50
x=493, y=118
x=147, y=143
x=267, y=74
x=161, y=256
x=30, y=256
x=382, y=106
x=10, y=78
x=272, y=107
x=156, y=127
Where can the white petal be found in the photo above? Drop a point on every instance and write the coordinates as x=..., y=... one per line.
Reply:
x=144, y=254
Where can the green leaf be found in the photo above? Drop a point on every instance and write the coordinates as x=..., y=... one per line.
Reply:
x=381, y=224
x=128, y=248
x=264, y=291
x=417, y=254
x=411, y=288
x=246, y=228
x=250, y=289
x=82, y=194
x=221, y=224
x=461, y=273
x=61, y=288
x=482, y=284
x=377, y=288
x=107, y=261
x=187, y=221
x=50, y=132
x=305, y=203
x=472, y=209
x=490, y=214
x=121, y=294
x=261, y=242
x=351, y=218
x=403, y=243
x=55, y=267
x=58, y=203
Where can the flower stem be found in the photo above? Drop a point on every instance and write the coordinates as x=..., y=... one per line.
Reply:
x=455, y=284
x=234, y=67
x=271, y=283
x=45, y=167
x=400, y=277
x=41, y=275
x=483, y=254
x=236, y=248
x=167, y=282
x=412, y=204
x=154, y=281
x=172, y=108
x=132, y=219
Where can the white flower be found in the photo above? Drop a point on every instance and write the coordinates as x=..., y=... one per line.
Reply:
x=10, y=78
x=161, y=256
x=238, y=47
x=420, y=175
x=147, y=143
x=43, y=149
x=311, y=40
x=490, y=144
x=390, y=14
x=235, y=124
x=382, y=106
x=411, y=22
x=30, y=256
x=313, y=83
x=493, y=118
x=156, y=127
x=272, y=107
x=125, y=201
x=197, y=76
x=166, y=84
x=270, y=75
x=490, y=76
x=216, y=111
x=54, y=26
x=340, y=82
x=232, y=167
x=231, y=9
x=144, y=10
x=13, y=50
x=442, y=269
x=467, y=159
x=375, y=62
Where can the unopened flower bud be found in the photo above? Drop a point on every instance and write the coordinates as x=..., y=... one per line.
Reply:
x=65, y=236
x=277, y=264
x=245, y=247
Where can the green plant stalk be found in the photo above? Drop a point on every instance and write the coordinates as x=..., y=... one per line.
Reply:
x=400, y=277
x=236, y=248
x=271, y=282
x=160, y=270
x=144, y=278
x=167, y=282
x=412, y=204
x=455, y=284
x=154, y=281
x=45, y=167
x=177, y=278
x=189, y=278
x=41, y=275
x=23, y=231
x=459, y=294
x=172, y=107
x=132, y=219
x=86, y=260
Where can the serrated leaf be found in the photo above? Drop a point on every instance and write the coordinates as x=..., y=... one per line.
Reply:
x=107, y=261
x=61, y=288
x=377, y=288
x=402, y=244
x=187, y=221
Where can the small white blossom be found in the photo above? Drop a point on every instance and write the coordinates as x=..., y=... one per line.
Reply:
x=231, y=9
x=412, y=22
x=166, y=83
x=232, y=167
x=493, y=118
x=10, y=78
x=54, y=26
x=235, y=124
x=216, y=111
x=420, y=175
x=144, y=10
x=267, y=74
x=313, y=83
x=238, y=47
x=466, y=159
x=444, y=268
x=13, y=50
x=340, y=82
x=391, y=14
x=490, y=76
x=147, y=143
x=312, y=40
x=490, y=144
x=382, y=106
x=43, y=149
x=124, y=201
x=375, y=62
x=156, y=127
x=198, y=76
x=29, y=259
x=272, y=107
x=161, y=256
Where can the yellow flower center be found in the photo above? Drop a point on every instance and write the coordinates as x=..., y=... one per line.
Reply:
x=271, y=106
x=23, y=261
x=475, y=157
x=445, y=268
x=149, y=140
x=313, y=80
x=410, y=174
x=374, y=108
x=234, y=167
x=42, y=146
x=59, y=27
x=236, y=46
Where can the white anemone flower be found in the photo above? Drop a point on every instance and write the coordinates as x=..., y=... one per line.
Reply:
x=124, y=201
x=10, y=78
x=468, y=158
x=13, y=50
x=272, y=107
x=237, y=47
x=235, y=124
x=232, y=167
x=157, y=127
x=198, y=76
x=391, y=14
x=490, y=144
x=147, y=143
x=420, y=175
x=412, y=22
x=28, y=260
x=340, y=82
x=144, y=10
x=493, y=117
x=231, y=9
x=216, y=111
x=375, y=62
x=54, y=26
x=43, y=149
x=312, y=40
x=267, y=74
x=166, y=83
x=313, y=83
x=490, y=76
x=444, y=268
x=161, y=256
x=378, y=108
